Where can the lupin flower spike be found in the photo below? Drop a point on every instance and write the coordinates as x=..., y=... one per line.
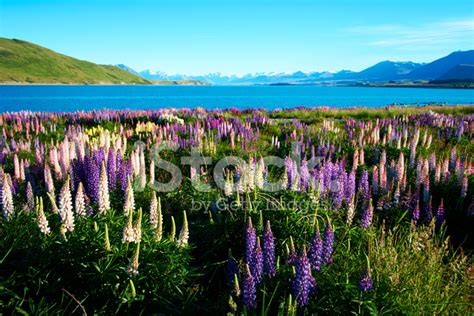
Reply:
x=268, y=251
x=107, y=239
x=137, y=229
x=159, y=223
x=154, y=210
x=104, y=199
x=128, y=231
x=43, y=224
x=249, y=294
x=184, y=233
x=328, y=243
x=7, y=198
x=80, y=203
x=173, y=229
x=129, y=206
x=133, y=267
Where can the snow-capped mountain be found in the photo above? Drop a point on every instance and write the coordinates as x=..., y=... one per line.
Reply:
x=381, y=72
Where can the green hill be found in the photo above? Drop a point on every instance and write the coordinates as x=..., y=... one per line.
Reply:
x=24, y=62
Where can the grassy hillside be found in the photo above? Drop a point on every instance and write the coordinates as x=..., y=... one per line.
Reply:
x=24, y=62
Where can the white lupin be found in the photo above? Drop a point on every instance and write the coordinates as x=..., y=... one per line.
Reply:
x=130, y=199
x=43, y=224
x=65, y=208
x=184, y=233
x=154, y=210
x=104, y=199
x=7, y=198
x=80, y=203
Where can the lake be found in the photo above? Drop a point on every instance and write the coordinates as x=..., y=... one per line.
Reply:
x=73, y=98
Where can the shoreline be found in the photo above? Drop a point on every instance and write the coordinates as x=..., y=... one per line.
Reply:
x=424, y=86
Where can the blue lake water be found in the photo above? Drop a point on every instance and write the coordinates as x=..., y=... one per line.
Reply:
x=73, y=98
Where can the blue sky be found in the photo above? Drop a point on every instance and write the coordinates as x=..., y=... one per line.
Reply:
x=236, y=37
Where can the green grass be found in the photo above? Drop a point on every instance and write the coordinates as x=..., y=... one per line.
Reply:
x=24, y=62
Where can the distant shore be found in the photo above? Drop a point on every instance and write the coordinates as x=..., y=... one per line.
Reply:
x=383, y=85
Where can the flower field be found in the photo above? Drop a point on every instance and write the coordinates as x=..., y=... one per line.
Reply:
x=180, y=211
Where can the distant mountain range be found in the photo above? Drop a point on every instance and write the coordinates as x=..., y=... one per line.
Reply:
x=455, y=66
x=24, y=62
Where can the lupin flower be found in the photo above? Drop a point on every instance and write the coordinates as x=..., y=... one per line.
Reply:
x=328, y=243
x=268, y=251
x=184, y=233
x=367, y=215
x=365, y=281
x=439, y=216
x=291, y=252
x=137, y=228
x=284, y=180
x=133, y=267
x=48, y=180
x=129, y=206
x=350, y=211
x=80, y=203
x=42, y=221
x=112, y=169
x=260, y=168
x=364, y=185
x=415, y=215
x=106, y=238
x=152, y=172
x=256, y=263
x=65, y=208
x=173, y=229
x=93, y=178
x=128, y=232
x=16, y=167
x=236, y=286
x=154, y=210
x=30, y=198
x=316, y=251
x=159, y=222
x=250, y=241
x=249, y=294
x=228, y=186
x=104, y=199
x=350, y=187
x=304, y=283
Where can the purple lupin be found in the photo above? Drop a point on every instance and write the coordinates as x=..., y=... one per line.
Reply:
x=250, y=241
x=415, y=215
x=316, y=251
x=249, y=293
x=111, y=170
x=268, y=251
x=365, y=281
x=256, y=264
x=328, y=243
x=367, y=215
x=304, y=283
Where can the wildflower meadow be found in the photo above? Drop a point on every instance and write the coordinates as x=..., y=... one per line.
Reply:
x=239, y=212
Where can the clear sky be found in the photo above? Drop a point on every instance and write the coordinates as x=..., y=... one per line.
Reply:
x=236, y=37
